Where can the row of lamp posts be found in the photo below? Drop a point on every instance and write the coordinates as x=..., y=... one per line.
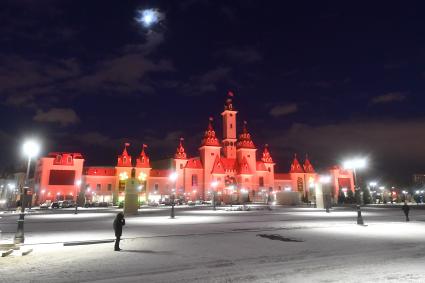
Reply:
x=32, y=148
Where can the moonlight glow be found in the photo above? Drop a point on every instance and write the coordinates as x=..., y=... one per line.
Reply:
x=147, y=17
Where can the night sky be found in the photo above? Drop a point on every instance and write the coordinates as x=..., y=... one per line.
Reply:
x=331, y=79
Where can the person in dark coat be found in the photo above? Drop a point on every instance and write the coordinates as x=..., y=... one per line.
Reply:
x=119, y=221
x=406, y=209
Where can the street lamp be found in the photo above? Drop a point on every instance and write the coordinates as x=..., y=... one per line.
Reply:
x=325, y=180
x=142, y=178
x=214, y=185
x=173, y=178
x=354, y=164
x=30, y=149
x=77, y=185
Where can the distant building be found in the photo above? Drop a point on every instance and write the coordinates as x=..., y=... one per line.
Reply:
x=230, y=168
x=419, y=179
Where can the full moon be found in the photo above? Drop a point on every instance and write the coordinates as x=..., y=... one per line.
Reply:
x=147, y=17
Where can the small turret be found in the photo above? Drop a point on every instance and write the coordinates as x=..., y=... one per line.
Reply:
x=308, y=168
x=143, y=160
x=245, y=138
x=295, y=166
x=209, y=137
x=180, y=153
x=266, y=158
x=124, y=160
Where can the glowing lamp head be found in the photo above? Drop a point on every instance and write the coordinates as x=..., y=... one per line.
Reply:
x=356, y=163
x=173, y=176
x=214, y=184
x=142, y=176
x=123, y=176
x=31, y=148
x=78, y=182
x=373, y=184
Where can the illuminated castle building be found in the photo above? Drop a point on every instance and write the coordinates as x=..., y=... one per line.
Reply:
x=229, y=168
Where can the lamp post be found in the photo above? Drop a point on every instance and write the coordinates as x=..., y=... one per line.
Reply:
x=142, y=179
x=173, y=178
x=30, y=150
x=77, y=185
x=355, y=164
x=373, y=185
x=325, y=180
x=214, y=185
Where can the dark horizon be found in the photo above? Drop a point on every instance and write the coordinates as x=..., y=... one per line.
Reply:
x=329, y=79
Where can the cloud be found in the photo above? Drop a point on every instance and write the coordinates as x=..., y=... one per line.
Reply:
x=209, y=81
x=282, y=110
x=63, y=116
x=389, y=97
x=32, y=81
x=382, y=139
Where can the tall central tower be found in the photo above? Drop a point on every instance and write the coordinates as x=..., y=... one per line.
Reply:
x=229, y=128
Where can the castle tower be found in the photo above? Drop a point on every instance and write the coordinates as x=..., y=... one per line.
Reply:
x=266, y=158
x=209, y=150
x=297, y=175
x=246, y=157
x=179, y=162
x=123, y=171
x=229, y=128
x=143, y=169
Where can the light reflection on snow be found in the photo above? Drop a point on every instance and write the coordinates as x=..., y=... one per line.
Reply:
x=405, y=231
x=161, y=220
x=66, y=216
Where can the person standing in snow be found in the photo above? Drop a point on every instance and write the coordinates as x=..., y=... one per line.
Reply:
x=406, y=209
x=119, y=221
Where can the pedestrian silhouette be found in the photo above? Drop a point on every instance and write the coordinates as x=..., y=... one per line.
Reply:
x=119, y=221
x=406, y=209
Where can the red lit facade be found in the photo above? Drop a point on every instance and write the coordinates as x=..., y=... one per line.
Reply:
x=230, y=167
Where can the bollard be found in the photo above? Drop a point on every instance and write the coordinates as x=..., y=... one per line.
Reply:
x=359, y=216
x=172, y=210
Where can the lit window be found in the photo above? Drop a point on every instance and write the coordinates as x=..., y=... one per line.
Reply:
x=69, y=159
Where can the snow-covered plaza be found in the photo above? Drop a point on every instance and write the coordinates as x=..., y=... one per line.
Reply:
x=286, y=244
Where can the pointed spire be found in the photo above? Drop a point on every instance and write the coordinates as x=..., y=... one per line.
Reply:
x=266, y=158
x=124, y=160
x=229, y=101
x=180, y=153
x=143, y=160
x=245, y=138
x=308, y=167
x=209, y=137
x=295, y=166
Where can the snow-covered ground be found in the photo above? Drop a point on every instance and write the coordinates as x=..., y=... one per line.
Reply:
x=223, y=246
